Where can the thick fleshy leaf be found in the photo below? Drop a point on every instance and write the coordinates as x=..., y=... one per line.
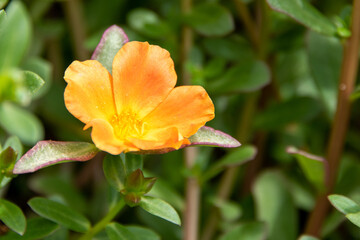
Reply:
x=307, y=237
x=210, y=19
x=248, y=76
x=3, y=3
x=147, y=22
x=275, y=206
x=303, y=12
x=114, y=171
x=19, y=122
x=60, y=214
x=57, y=186
x=42, y=68
x=325, y=55
x=314, y=167
x=355, y=94
x=116, y=231
x=233, y=48
x=247, y=231
x=7, y=160
x=277, y=115
x=46, y=153
x=354, y=218
x=207, y=136
x=33, y=82
x=15, y=35
x=37, y=228
x=14, y=143
x=160, y=208
x=111, y=42
x=12, y=216
x=2, y=18
x=143, y=233
x=236, y=157
x=344, y=204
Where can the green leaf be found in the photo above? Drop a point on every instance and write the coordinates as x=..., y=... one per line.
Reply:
x=239, y=156
x=12, y=216
x=53, y=185
x=277, y=115
x=116, y=231
x=37, y=228
x=42, y=68
x=33, y=82
x=160, y=208
x=133, y=162
x=60, y=214
x=148, y=23
x=143, y=233
x=247, y=231
x=354, y=218
x=303, y=12
x=248, y=76
x=313, y=167
x=111, y=42
x=230, y=211
x=325, y=55
x=3, y=3
x=47, y=153
x=114, y=171
x=233, y=48
x=275, y=206
x=15, y=35
x=210, y=19
x=14, y=143
x=19, y=122
x=307, y=237
x=164, y=190
x=207, y=136
x=7, y=161
x=60, y=234
x=2, y=19
x=355, y=94
x=344, y=204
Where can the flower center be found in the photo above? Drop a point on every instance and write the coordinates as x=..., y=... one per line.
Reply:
x=127, y=123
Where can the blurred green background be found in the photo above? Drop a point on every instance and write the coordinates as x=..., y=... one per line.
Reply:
x=273, y=80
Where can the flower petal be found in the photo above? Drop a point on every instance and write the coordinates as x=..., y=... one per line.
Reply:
x=159, y=139
x=187, y=108
x=88, y=94
x=104, y=138
x=143, y=76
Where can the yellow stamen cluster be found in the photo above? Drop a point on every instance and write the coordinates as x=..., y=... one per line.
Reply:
x=127, y=123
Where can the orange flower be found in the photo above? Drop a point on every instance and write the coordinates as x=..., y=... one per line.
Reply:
x=137, y=107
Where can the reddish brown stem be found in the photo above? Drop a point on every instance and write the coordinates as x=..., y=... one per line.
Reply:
x=192, y=187
x=74, y=15
x=349, y=70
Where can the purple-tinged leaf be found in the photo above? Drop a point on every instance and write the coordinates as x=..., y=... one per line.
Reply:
x=46, y=153
x=205, y=136
x=315, y=168
x=208, y=136
x=111, y=42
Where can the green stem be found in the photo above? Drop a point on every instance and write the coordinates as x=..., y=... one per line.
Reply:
x=105, y=221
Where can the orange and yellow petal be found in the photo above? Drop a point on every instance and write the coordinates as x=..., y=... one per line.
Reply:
x=159, y=139
x=88, y=94
x=104, y=138
x=187, y=108
x=143, y=76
